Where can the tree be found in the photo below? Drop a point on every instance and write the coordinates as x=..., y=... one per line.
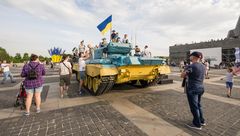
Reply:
x=17, y=58
x=41, y=58
x=25, y=57
x=4, y=55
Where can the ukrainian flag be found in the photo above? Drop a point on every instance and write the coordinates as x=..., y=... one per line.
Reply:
x=105, y=25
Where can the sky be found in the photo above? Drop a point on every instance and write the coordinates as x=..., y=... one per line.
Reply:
x=34, y=26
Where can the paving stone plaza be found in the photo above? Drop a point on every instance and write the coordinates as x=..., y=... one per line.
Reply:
x=125, y=111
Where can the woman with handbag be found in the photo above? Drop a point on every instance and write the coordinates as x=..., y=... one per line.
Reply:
x=65, y=72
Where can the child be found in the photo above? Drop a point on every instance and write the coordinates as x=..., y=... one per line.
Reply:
x=229, y=81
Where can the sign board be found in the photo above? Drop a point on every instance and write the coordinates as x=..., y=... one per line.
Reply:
x=214, y=55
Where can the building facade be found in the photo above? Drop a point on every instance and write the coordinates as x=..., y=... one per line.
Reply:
x=181, y=52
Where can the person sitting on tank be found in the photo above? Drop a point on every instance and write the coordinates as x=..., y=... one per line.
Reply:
x=118, y=40
x=125, y=39
x=137, y=51
x=89, y=52
x=146, y=52
x=103, y=43
x=113, y=36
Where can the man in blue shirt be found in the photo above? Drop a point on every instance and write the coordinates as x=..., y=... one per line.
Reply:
x=195, y=89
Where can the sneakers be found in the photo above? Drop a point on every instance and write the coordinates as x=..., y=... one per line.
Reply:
x=203, y=124
x=194, y=127
x=26, y=113
x=80, y=93
x=38, y=111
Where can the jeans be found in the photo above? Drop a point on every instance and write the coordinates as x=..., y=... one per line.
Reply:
x=6, y=75
x=194, y=100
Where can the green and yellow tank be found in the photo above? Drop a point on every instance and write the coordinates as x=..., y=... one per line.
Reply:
x=114, y=65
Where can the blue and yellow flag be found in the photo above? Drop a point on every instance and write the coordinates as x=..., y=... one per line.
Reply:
x=105, y=25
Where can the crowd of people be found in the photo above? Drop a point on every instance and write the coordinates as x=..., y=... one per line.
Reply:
x=116, y=39
x=34, y=70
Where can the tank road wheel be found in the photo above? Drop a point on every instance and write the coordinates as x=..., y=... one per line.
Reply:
x=89, y=82
x=144, y=83
x=85, y=82
x=133, y=82
x=156, y=80
x=96, y=84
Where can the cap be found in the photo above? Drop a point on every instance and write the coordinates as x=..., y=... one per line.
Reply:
x=197, y=54
x=113, y=31
x=103, y=38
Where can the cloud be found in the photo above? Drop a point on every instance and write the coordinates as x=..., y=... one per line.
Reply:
x=159, y=23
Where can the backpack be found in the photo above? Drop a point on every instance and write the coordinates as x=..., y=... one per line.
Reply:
x=32, y=73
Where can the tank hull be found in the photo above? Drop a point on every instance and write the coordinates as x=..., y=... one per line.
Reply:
x=113, y=65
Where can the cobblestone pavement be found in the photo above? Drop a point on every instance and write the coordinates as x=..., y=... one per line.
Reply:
x=74, y=91
x=221, y=91
x=178, y=78
x=54, y=79
x=9, y=84
x=8, y=98
x=74, y=87
x=235, y=82
x=88, y=120
x=221, y=118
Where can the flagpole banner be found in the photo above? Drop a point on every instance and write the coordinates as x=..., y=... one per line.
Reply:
x=106, y=25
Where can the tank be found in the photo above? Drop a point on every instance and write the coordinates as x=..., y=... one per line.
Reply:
x=114, y=64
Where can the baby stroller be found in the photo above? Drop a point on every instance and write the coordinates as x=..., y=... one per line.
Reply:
x=21, y=97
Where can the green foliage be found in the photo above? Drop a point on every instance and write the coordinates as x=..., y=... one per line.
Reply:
x=26, y=57
x=41, y=58
x=4, y=55
x=18, y=58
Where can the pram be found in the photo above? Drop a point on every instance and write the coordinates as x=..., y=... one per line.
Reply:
x=21, y=97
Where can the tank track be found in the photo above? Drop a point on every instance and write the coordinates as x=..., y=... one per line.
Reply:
x=105, y=85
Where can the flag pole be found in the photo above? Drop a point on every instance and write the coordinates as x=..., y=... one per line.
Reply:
x=110, y=34
x=110, y=30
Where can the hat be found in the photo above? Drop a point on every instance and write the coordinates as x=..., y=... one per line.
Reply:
x=113, y=31
x=197, y=54
x=103, y=38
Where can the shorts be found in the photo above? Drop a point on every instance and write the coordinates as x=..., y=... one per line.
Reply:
x=34, y=90
x=82, y=75
x=64, y=79
x=229, y=85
